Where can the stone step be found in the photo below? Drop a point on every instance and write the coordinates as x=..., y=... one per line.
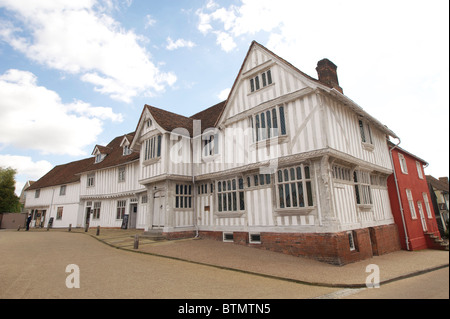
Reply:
x=154, y=234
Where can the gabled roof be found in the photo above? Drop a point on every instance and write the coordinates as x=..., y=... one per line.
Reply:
x=210, y=116
x=70, y=173
x=438, y=184
x=168, y=120
x=325, y=86
x=114, y=156
x=253, y=44
x=127, y=138
x=390, y=144
x=101, y=149
x=62, y=174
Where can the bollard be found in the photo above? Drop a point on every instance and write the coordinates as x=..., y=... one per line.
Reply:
x=136, y=241
x=86, y=228
x=70, y=227
x=48, y=226
x=98, y=230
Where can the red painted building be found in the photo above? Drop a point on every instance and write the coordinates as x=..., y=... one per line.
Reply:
x=411, y=202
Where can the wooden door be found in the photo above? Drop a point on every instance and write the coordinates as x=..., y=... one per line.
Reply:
x=159, y=210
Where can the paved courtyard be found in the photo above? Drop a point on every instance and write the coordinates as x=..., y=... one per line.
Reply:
x=33, y=265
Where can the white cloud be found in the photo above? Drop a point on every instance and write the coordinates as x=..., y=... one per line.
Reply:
x=204, y=24
x=223, y=95
x=24, y=165
x=26, y=169
x=80, y=38
x=149, y=21
x=86, y=110
x=180, y=43
x=34, y=117
x=225, y=41
x=394, y=67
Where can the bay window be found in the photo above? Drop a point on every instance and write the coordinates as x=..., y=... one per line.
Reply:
x=294, y=187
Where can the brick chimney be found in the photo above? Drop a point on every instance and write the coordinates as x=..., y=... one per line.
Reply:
x=326, y=71
x=444, y=180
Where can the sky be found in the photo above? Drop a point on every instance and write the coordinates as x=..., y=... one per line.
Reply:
x=74, y=74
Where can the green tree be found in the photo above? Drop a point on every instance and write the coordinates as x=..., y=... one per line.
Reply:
x=9, y=202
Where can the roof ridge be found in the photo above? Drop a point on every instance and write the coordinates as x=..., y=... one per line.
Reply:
x=208, y=108
x=159, y=109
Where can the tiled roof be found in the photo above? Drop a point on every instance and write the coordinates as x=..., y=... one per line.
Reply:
x=62, y=174
x=170, y=121
x=103, y=149
x=114, y=155
x=210, y=115
x=70, y=173
x=440, y=185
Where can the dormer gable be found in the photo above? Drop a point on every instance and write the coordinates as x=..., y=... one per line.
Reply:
x=125, y=144
x=100, y=152
x=155, y=121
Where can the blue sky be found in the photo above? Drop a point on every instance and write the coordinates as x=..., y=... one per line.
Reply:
x=74, y=74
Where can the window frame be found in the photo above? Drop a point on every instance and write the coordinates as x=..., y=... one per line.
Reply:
x=269, y=123
x=183, y=196
x=427, y=205
x=122, y=174
x=412, y=208
x=366, y=135
x=363, y=189
x=232, y=196
x=288, y=178
x=261, y=80
x=342, y=173
x=152, y=148
x=62, y=190
x=120, y=209
x=59, y=212
x=419, y=169
x=352, y=240
x=210, y=144
x=96, y=210
x=403, y=164
x=90, y=180
x=126, y=150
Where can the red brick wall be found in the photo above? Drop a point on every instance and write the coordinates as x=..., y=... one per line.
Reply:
x=385, y=239
x=333, y=248
x=179, y=235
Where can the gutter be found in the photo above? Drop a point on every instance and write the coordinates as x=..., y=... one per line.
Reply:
x=398, y=193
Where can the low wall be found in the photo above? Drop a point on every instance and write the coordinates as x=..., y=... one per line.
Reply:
x=332, y=248
x=12, y=220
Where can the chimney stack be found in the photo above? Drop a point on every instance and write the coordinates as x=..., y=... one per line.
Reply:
x=326, y=71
